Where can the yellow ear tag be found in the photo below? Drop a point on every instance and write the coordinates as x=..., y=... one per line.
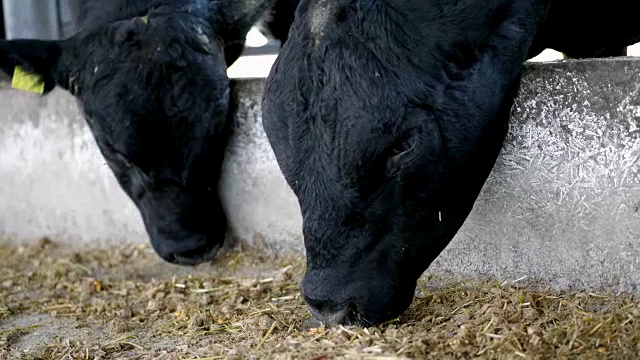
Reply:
x=25, y=81
x=145, y=19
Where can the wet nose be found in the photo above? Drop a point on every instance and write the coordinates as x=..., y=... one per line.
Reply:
x=329, y=313
x=187, y=251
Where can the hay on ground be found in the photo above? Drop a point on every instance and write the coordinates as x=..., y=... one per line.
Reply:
x=128, y=304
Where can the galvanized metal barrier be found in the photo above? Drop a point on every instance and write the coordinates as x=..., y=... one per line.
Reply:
x=562, y=204
x=37, y=19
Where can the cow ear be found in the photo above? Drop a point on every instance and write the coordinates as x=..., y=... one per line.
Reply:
x=31, y=64
x=236, y=17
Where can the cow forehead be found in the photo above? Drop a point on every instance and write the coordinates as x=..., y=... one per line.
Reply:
x=152, y=98
x=154, y=24
x=320, y=17
x=146, y=44
x=353, y=106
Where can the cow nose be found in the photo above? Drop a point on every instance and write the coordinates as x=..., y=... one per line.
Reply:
x=192, y=257
x=187, y=251
x=328, y=313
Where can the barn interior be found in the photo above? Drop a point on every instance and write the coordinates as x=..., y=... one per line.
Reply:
x=545, y=266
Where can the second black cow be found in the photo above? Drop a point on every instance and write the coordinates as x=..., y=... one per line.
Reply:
x=386, y=117
x=150, y=78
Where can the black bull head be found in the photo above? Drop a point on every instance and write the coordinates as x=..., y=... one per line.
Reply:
x=150, y=78
x=386, y=118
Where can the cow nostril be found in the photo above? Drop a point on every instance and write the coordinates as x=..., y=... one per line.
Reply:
x=317, y=305
x=188, y=253
x=330, y=318
x=333, y=315
x=194, y=257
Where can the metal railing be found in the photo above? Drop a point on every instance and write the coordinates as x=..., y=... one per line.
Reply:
x=54, y=19
x=41, y=19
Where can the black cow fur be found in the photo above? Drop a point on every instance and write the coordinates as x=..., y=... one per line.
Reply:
x=577, y=28
x=589, y=29
x=386, y=117
x=280, y=19
x=155, y=95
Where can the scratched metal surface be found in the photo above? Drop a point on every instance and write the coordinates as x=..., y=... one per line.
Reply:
x=53, y=180
x=563, y=201
x=261, y=208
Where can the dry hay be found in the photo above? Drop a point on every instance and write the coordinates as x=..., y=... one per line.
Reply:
x=127, y=304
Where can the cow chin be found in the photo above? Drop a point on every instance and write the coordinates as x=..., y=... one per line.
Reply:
x=354, y=288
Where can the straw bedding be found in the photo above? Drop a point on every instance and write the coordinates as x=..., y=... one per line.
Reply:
x=127, y=304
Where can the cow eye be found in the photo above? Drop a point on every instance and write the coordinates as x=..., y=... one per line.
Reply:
x=401, y=152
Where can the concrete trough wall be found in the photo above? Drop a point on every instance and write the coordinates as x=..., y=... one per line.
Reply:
x=562, y=204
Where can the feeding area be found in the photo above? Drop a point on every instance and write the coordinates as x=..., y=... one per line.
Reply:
x=544, y=267
x=125, y=303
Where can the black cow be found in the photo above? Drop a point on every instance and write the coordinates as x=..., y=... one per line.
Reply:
x=150, y=78
x=386, y=117
x=280, y=19
x=572, y=28
x=588, y=29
